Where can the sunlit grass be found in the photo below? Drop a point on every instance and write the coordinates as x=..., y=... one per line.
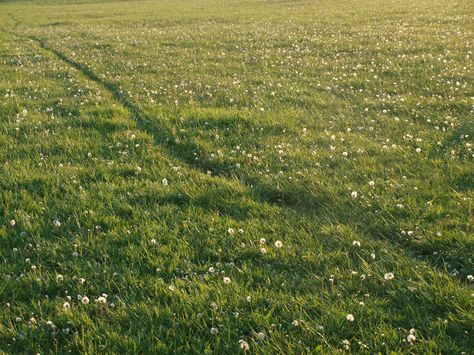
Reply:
x=219, y=177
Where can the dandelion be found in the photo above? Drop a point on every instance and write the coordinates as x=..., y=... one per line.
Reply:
x=12, y=222
x=85, y=300
x=389, y=276
x=102, y=299
x=66, y=305
x=261, y=335
x=263, y=240
x=231, y=231
x=350, y=317
x=279, y=244
x=227, y=280
x=244, y=345
x=214, y=331
x=263, y=250
x=354, y=194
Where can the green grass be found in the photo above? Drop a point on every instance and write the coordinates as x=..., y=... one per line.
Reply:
x=148, y=146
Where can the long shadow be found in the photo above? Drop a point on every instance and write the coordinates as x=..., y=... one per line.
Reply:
x=313, y=206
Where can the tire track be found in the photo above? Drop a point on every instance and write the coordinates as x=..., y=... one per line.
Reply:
x=163, y=134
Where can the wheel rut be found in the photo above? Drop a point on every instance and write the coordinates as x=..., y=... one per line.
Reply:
x=161, y=133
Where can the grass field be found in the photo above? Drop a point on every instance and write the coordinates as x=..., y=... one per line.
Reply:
x=237, y=176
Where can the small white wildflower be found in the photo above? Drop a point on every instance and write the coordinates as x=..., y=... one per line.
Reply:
x=12, y=222
x=389, y=276
x=164, y=182
x=350, y=317
x=356, y=243
x=354, y=194
x=279, y=244
x=227, y=280
x=214, y=331
x=263, y=250
x=244, y=345
x=85, y=300
x=66, y=305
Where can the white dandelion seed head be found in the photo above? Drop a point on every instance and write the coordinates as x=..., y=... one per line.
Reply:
x=244, y=345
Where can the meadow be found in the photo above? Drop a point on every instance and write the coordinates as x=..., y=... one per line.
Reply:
x=248, y=176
